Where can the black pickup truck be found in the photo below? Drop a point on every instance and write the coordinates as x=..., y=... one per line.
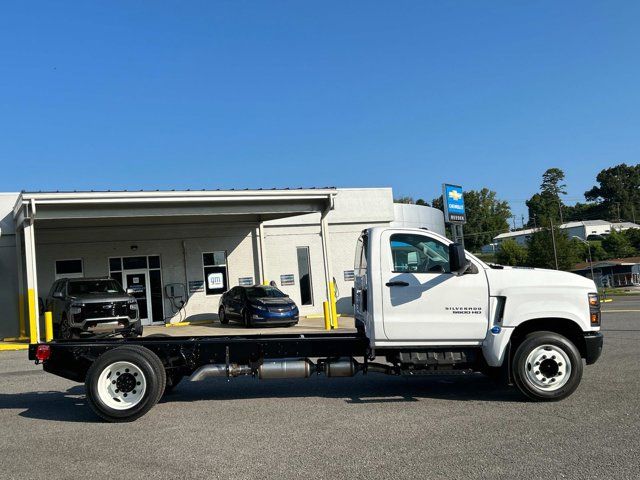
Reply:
x=92, y=305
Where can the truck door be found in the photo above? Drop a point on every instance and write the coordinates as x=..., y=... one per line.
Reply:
x=422, y=300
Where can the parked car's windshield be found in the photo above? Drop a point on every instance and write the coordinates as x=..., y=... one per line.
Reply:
x=262, y=292
x=94, y=286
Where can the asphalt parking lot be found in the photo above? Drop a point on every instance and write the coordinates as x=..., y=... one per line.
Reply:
x=374, y=427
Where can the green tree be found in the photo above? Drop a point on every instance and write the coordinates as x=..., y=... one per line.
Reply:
x=618, y=192
x=541, y=249
x=512, y=253
x=487, y=216
x=403, y=200
x=633, y=235
x=617, y=245
x=548, y=203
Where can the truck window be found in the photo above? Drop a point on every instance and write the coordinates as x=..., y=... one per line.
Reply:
x=413, y=253
x=360, y=264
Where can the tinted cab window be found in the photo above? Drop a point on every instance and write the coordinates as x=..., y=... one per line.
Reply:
x=413, y=253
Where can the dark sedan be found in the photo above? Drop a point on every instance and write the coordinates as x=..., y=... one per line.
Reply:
x=258, y=305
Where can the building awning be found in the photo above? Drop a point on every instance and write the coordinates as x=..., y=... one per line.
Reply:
x=64, y=208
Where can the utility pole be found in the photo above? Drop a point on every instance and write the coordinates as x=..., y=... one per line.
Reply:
x=590, y=259
x=522, y=219
x=618, y=205
x=553, y=239
x=514, y=221
x=633, y=212
x=560, y=210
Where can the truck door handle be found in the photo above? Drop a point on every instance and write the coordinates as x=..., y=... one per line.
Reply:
x=397, y=284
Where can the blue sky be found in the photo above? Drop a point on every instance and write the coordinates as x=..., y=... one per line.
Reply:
x=236, y=94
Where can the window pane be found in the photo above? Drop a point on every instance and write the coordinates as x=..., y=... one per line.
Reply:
x=115, y=264
x=154, y=261
x=155, y=284
x=207, y=259
x=134, y=263
x=220, y=258
x=117, y=276
x=304, y=274
x=65, y=267
x=415, y=253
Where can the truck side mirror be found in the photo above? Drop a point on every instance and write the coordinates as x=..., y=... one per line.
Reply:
x=58, y=295
x=457, y=259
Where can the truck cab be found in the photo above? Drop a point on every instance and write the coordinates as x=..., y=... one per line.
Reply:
x=418, y=293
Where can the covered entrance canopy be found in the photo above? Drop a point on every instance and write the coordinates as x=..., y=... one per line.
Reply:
x=35, y=212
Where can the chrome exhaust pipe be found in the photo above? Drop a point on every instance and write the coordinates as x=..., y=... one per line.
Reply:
x=219, y=370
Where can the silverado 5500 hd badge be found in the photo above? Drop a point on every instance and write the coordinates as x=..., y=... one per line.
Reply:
x=464, y=310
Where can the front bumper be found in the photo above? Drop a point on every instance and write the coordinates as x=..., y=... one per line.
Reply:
x=593, y=342
x=275, y=318
x=102, y=324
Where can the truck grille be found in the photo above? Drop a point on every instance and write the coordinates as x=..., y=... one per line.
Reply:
x=106, y=309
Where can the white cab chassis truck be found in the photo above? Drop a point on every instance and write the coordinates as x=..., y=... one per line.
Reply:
x=422, y=305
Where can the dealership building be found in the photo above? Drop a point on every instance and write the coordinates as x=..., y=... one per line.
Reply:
x=180, y=250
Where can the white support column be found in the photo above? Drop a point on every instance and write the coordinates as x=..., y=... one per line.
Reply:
x=324, y=233
x=32, y=279
x=261, y=254
x=22, y=323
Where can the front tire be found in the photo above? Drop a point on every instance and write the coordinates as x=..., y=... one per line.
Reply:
x=547, y=366
x=222, y=316
x=125, y=383
x=246, y=319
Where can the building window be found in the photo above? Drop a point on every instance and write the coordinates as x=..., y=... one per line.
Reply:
x=69, y=268
x=304, y=274
x=214, y=268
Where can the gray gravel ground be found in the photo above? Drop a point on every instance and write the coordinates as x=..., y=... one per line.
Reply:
x=375, y=427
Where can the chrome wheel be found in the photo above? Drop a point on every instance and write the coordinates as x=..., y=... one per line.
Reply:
x=548, y=367
x=121, y=385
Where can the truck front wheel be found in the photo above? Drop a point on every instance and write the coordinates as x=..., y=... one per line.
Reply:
x=124, y=383
x=547, y=366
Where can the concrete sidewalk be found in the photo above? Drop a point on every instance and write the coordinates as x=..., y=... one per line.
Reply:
x=306, y=325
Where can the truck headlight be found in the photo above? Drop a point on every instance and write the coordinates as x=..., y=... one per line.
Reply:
x=76, y=308
x=594, y=310
x=133, y=304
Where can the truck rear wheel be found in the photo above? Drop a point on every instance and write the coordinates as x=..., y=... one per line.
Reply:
x=124, y=383
x=547, y=366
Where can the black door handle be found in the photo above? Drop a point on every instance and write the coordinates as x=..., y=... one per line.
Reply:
x=397, y=284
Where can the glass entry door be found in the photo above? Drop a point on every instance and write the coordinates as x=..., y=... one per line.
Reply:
x=138, y=281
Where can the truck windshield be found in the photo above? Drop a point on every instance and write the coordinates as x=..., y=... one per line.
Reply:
x=264, y=292
x=94, y=286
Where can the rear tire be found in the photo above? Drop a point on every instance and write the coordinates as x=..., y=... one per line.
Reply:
x=222, y=316
x=125, y=383
x=547, y=366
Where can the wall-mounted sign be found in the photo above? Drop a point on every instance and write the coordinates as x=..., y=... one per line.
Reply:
x=453, y=201
x=287, y=279
x=215, y=280
x=245, y=281
x=349, y=275
x=196, y=286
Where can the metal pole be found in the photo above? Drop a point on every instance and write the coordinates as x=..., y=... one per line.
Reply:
x=553, y=239
x=590, y=261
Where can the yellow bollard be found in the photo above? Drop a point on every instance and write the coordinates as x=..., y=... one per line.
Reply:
x=334, y=310
x=327, y=315
x=48, y=326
